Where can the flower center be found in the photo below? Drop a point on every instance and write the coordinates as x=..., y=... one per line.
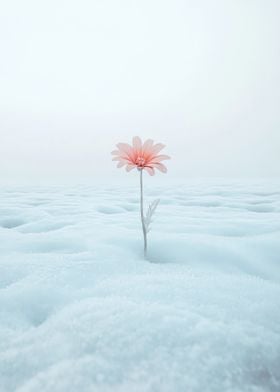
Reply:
x=140, y=161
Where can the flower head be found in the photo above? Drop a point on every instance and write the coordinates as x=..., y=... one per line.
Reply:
x=143, y=156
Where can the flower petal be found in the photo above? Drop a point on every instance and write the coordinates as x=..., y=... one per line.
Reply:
x=157, y=148
x=126, y=149
x=150, y=170
x=160, y=167
x=130, y=167
x=137, y=143
x=159, y=158
x=121, y=159
x=147, y=146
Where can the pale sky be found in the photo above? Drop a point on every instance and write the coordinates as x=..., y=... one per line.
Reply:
x=201, y=76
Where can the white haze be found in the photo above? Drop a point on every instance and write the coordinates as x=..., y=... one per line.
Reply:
x=78, y=76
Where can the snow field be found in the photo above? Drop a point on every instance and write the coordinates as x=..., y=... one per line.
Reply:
x=81, y=310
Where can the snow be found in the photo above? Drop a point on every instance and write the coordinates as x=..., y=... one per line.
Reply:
x=81, y=310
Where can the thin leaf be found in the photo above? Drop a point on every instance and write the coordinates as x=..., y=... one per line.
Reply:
x=150, y=213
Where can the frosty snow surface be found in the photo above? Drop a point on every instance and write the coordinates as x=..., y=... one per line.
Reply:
x=81, y=310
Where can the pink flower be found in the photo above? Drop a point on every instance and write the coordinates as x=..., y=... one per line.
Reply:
x=140, y=155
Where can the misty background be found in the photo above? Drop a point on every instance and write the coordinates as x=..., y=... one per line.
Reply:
x=201, y=76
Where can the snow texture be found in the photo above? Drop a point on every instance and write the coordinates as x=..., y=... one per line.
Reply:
x=81, y=310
